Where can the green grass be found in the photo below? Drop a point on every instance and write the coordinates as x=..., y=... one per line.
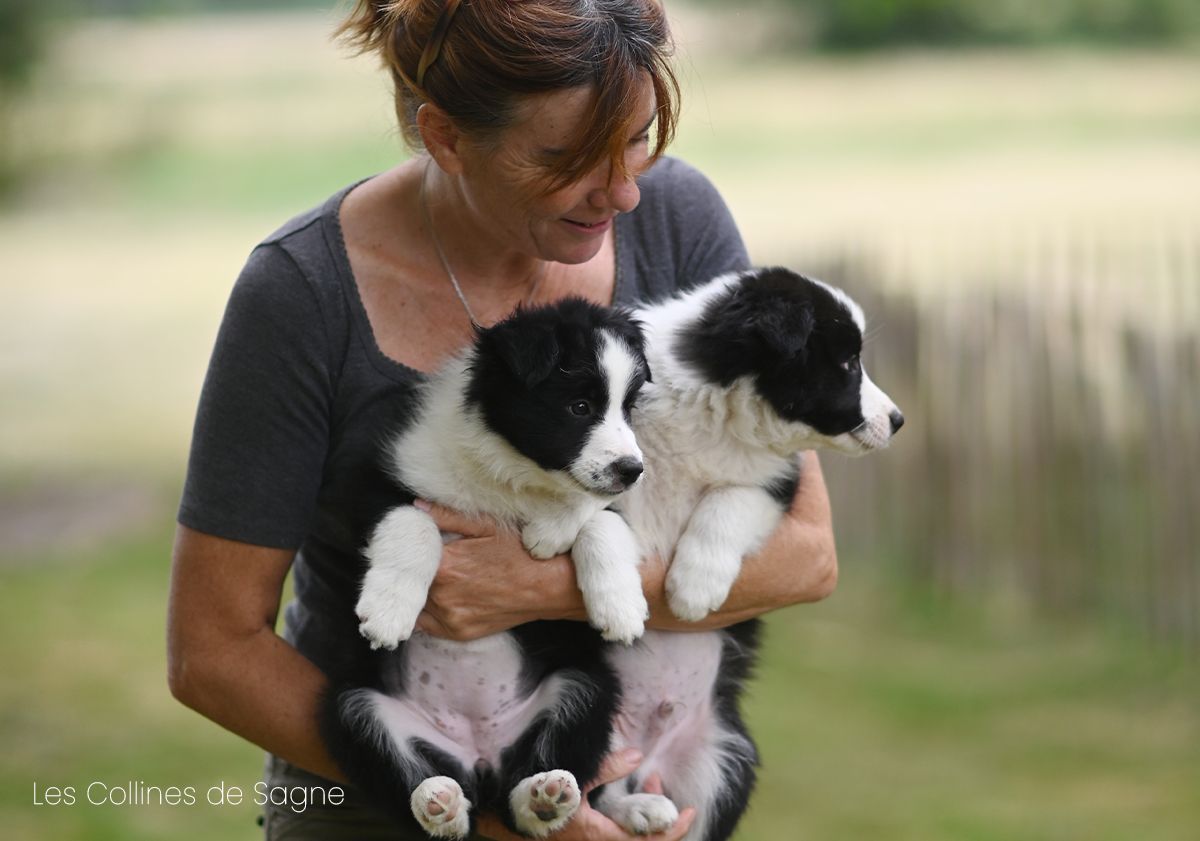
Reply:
x=874, y=721
x=85, y=699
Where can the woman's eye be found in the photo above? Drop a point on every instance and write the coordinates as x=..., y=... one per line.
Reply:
x=581, y=408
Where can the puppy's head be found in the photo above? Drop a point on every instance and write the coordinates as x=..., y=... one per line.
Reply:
x=799, y=341
x=558, y=384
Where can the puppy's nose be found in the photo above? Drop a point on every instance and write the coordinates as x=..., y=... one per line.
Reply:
x=897, y=420
x=627, y=469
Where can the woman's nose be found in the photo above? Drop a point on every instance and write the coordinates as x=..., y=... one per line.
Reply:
x=620, y=192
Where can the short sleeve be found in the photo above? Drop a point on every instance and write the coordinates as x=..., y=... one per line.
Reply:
x=681, y=234
x=712, y=245
x=262, y=427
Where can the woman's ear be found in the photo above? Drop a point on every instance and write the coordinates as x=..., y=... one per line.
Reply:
x=442, y=138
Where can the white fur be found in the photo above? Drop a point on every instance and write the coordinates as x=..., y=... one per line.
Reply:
x=545, y=802
x=449, y=455
x=612, y=438
x=611, y=587
x=710, y=450
x=440, y=807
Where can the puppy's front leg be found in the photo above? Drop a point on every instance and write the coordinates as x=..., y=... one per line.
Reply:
x=403, y=556
x=547, y=536
x=728, y=524
x=607, y=558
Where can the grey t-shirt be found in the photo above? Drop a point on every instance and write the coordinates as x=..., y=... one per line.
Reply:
x=299, y=398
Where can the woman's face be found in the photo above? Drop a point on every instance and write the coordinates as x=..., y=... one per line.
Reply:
x=504, y=183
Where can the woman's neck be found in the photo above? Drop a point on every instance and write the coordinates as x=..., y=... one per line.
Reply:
x=486, y=268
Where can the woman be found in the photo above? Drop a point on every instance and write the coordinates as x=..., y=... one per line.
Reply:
x=541, y=125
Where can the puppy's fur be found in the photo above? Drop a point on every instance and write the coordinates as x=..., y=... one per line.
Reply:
x=749, y=370
x=531, y=427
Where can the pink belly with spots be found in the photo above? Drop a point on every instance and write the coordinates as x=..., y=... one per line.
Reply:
x=466, y=695
x=667, y=708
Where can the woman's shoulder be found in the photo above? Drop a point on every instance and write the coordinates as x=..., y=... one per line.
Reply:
x=672, y=178
x=304, y=258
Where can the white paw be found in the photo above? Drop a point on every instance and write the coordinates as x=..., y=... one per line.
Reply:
x=544, y=803
x=619, y=615
x=547, y=538
x=388, y=613
x=644, y=814
x=439, y=806
x=698, y=581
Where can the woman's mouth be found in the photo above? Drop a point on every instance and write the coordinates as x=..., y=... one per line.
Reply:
x=590, y=227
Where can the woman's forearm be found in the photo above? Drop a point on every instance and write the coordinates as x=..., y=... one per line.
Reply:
x=224, y=659
x=797, y=564
x=265, y=691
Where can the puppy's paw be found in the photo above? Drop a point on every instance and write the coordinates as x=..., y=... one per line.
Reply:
x=387, y=613
x=644, y=814
x=439, y=806
x=698, y=581
x=619, y=615
x=544, y=803
x=547, y=538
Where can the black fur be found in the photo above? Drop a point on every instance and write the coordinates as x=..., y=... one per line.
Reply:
x=529, y=370
x=532, y=371
x=793, y=338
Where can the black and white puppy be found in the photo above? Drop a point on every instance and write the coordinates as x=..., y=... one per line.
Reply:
x=750, y=369
x=530, y=427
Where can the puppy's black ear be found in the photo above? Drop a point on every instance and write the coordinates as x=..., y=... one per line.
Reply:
x=786, y=329
x=531, y=353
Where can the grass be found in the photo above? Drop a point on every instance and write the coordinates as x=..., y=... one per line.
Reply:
x=874, y=721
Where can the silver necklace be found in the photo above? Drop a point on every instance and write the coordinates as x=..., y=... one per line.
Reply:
x=437, y=244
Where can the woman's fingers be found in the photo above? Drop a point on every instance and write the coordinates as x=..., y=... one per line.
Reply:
x=450, y=521
x=616, y=766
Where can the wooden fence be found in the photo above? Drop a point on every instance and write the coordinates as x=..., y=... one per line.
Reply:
x=1051, y=456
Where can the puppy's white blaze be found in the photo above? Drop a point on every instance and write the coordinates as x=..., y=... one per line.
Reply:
x=611, y=438
x=846, y=301
x=877, y=408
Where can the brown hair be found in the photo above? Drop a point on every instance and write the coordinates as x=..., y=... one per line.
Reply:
x=475, y=59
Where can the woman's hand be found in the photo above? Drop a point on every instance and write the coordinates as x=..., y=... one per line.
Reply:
x=488, y=583
x=590, y=825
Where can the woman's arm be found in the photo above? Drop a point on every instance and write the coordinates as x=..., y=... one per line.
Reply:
x=224, y=659
x=487, y=583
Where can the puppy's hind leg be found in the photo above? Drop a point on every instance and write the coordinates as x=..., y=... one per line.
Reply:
x=403, y=556
x=560, y=750
x=403, y=766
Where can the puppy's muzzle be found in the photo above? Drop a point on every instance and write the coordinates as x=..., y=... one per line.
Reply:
x=624, y=472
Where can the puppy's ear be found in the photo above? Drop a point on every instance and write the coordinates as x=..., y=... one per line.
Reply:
x=531, y=355
x=786, y=329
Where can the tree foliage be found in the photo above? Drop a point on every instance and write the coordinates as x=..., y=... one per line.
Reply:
x=865, y=24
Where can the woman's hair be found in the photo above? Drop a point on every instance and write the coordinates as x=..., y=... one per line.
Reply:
x=476, y=59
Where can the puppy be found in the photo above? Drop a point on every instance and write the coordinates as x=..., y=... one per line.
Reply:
x=750, y=369
x=530, y=427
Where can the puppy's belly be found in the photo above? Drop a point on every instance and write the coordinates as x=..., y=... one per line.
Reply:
x=666, y=704
x=467, y=692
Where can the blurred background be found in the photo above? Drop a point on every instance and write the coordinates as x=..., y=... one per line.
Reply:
x=1012, y=189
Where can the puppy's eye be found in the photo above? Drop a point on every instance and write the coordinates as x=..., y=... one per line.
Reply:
x=851, y=363
x=581, y=408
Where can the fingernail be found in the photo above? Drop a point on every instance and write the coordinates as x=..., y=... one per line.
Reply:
x=631, y=755
x=423, y=505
